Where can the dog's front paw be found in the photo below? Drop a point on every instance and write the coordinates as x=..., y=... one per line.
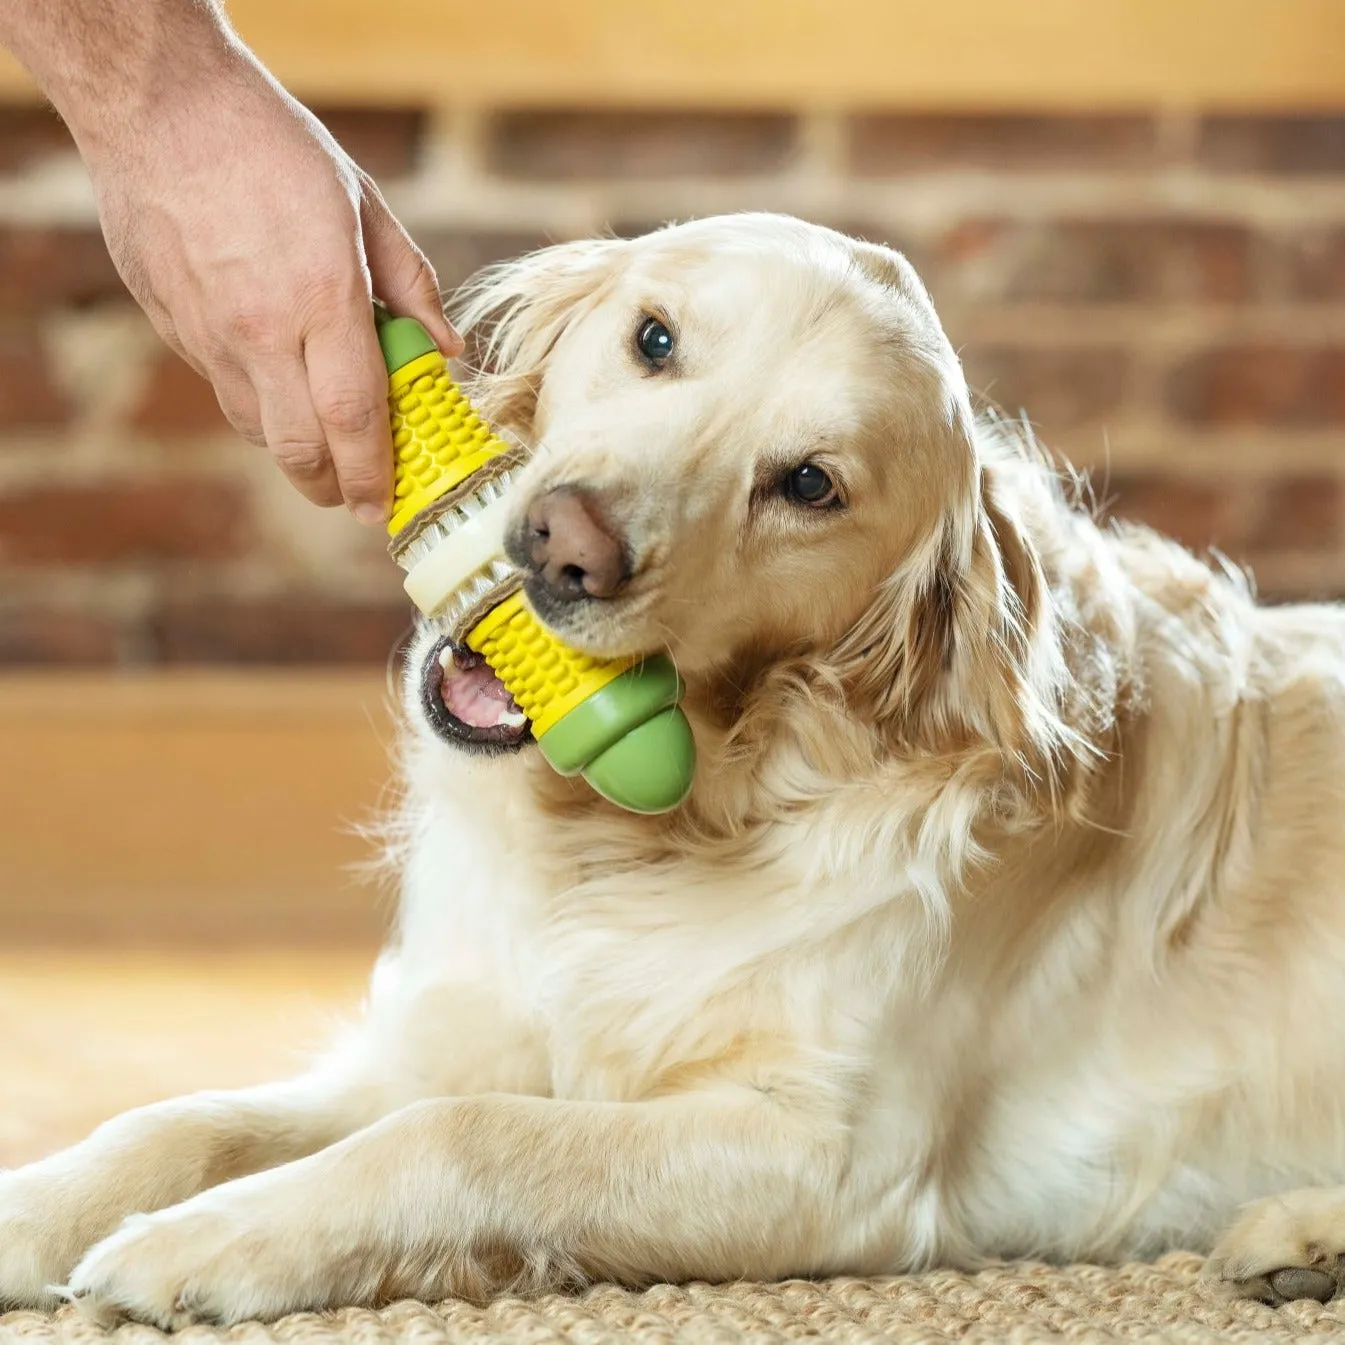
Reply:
x=40, y=1239
x=175, y=1267
x=1284, y=1248
x=203, y=1260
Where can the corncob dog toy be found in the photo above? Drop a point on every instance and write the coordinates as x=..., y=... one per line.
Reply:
x=616, y=722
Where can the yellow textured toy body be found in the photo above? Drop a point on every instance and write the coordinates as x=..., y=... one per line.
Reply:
x=438, y=439
x=616, y=721
x=546, y=678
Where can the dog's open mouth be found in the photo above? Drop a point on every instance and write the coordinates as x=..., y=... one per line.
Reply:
x=467, y=704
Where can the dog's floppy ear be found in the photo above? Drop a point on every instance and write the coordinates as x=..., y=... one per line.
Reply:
x=958, y=652
x=512, y=315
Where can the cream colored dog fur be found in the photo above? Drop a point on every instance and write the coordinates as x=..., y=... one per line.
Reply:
x=1007, y=916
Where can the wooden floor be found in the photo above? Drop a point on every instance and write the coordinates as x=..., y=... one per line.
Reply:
x=85, y=1035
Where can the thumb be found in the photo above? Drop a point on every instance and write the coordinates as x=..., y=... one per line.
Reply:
x=402, y=275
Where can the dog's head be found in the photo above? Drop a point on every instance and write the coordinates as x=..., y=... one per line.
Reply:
x=752, y=443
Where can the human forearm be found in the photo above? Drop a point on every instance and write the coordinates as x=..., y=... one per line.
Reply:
x=107, y=65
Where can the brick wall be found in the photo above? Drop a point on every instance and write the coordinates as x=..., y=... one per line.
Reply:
x=1165, y=297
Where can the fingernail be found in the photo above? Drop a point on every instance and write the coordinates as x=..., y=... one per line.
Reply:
x=371, y=515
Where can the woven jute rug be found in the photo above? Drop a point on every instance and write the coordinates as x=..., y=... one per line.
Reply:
x=1016, y=1303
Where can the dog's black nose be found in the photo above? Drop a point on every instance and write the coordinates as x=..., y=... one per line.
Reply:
x=571, y=545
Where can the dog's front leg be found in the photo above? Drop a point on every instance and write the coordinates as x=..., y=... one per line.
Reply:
x=53, y=1211
x=469, y=1196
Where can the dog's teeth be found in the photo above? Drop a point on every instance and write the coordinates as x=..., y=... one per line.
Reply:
x=446, y=656
x=514, y=719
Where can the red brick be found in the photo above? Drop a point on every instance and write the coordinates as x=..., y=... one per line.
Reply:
x=43, y=268
x=1095, y=261
x=384, y=141
x=637, y=228
x=457, y=254
x=30, y=133
x=1299, y=513
x=562, y=144
x=122, y=522
x=177, y=401
x=890, y=233
x=1058, y=389
x=1272, y=594
x=904, y=142
x=1315, y=264
x=1274, y=144
x=287, y=630
x=28, y=397
x=1260, y=385
x=1247, y=520
x=40, y=636
x=1196, y=513
x=37, y=636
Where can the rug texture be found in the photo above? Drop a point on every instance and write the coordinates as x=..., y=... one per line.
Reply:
x=1015, y=1304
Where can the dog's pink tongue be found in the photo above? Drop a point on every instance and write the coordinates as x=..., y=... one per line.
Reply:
x=476, y=696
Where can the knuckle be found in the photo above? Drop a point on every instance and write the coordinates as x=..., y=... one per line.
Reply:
x=424, y=279
x=254, y=327
x=301, y=457
x=245, y=425
x=217, y=350
x=349, y=412
x=362, y=480
x=330, y=287
x=324, y=492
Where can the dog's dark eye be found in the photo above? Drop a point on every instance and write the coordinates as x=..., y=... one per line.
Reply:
x=655, y=341
x=810, y=485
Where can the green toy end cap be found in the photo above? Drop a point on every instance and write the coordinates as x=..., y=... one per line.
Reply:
x=629, y=740
x=402, y=339
x=614, y=710
x=651, y=769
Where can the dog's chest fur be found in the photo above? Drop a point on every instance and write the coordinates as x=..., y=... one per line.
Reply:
x=631, y=970
x=647, y=979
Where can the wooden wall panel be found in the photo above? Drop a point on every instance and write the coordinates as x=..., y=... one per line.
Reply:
x=852, y=53
x=215, y=808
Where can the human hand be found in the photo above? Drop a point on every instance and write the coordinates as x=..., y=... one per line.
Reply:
x=253, y=242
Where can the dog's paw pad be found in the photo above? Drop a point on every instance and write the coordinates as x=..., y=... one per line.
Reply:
x=1302, y=1282
x=1283, y=1249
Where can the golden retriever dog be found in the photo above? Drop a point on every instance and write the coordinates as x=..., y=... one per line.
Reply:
x=1006, y=917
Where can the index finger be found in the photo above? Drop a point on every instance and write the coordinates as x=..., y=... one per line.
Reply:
x=349, y=384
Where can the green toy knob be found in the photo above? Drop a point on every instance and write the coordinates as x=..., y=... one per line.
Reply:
x=630, y=740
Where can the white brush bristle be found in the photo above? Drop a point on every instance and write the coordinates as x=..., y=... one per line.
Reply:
x=473, y=594
x=431, y=534
x=499, y=576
